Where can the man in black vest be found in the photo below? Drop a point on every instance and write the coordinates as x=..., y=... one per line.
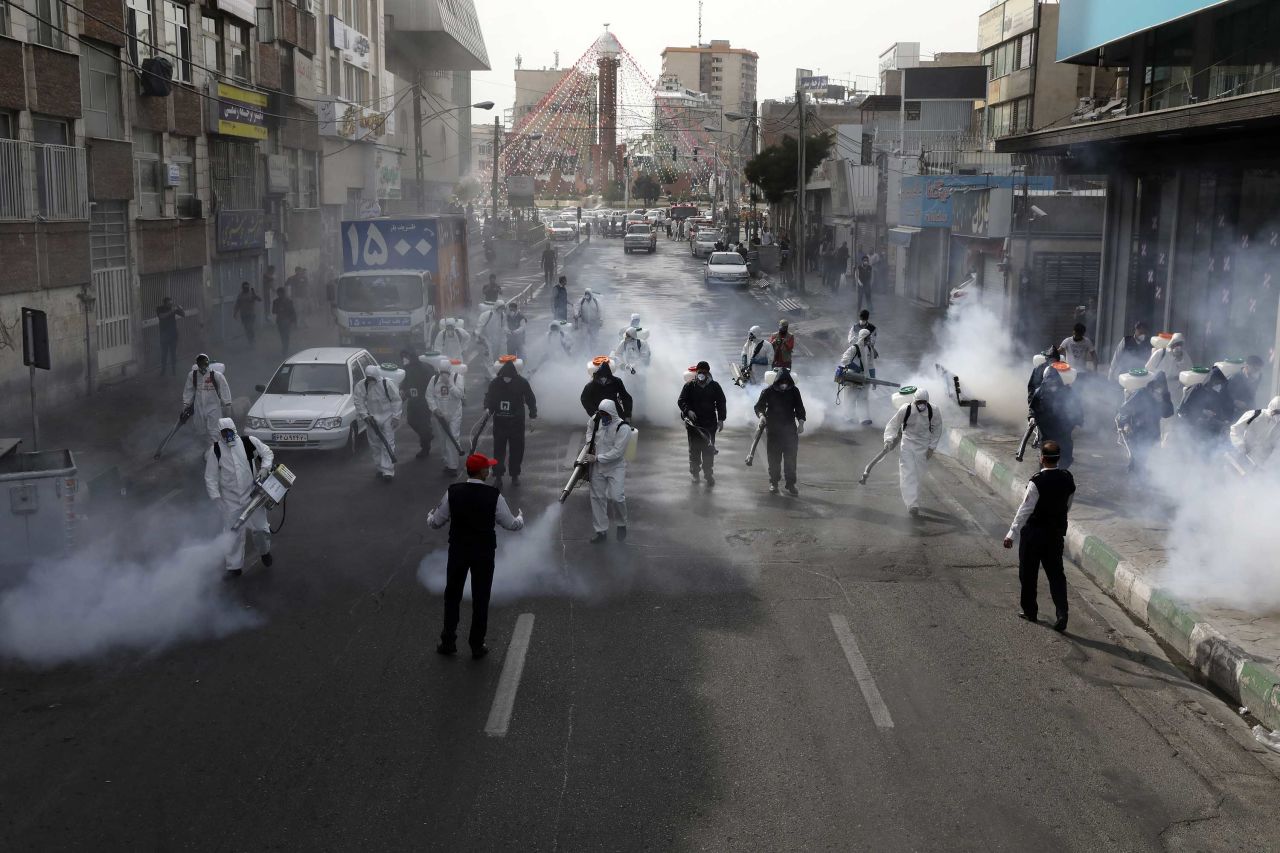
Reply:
x=1041, y=522
x=471, y=509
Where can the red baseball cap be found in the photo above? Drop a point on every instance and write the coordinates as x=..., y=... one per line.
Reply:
x=478, y=462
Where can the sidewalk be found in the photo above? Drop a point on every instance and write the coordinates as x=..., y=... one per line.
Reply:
x=1122, y=548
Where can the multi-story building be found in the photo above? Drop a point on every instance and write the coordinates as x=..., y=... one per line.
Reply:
x=1028, y=90
x=1193, y=190
x=151, y=148
x=726, y=74
x=680, y=116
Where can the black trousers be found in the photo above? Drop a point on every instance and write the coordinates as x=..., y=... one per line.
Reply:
x=1040, y=547
x=1052, y=432
x=249, y=331
x=782, y=456
x=420, y=421
x=508, y=445
x=702, y=456
x=478, y=562
x=168, y=355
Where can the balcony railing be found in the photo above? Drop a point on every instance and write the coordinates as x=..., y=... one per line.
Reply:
x=50, y=181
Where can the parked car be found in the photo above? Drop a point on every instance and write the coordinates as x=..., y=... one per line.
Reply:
x=704, y=243
x=726, y=268
x=307, y=405
x=640, y=238
x=560, y=230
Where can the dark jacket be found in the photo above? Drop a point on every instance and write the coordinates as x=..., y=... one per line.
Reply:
x=862, y=274
x=1208, y=406
x=1055, y=406
x=414, y=388
x=1139, y=418
x=1243, y=392
x=612, y=389
x=560, y=302
x=507, y=400
x=167, y=321
x=283, y=308
x=781, y=409
x=549, y=259
x=705, y=402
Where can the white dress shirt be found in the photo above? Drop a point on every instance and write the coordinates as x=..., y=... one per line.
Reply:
x=1029, y=501
x=439, y=516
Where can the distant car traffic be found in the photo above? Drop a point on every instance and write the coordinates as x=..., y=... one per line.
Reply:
x=560, y=230
x=307, y=405
x=726, y=268
x=640, y=238
x=704, y=243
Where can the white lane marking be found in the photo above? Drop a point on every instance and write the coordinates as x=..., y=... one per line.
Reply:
x=857, y=663
x=504, y=701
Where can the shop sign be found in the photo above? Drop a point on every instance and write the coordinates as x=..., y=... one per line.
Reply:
x=238, y=112
x=241, y=229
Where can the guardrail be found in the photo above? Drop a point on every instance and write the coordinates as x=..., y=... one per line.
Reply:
x=952, y=383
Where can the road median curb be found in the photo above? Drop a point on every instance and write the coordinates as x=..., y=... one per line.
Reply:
x=1251, y=682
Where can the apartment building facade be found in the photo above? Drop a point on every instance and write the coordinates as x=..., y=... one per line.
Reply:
x=724, y=73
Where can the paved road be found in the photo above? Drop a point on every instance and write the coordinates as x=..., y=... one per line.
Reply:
x=748, y=672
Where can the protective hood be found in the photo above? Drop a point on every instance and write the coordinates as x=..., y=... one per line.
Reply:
x=508, y=369
x=864, y=336
x=601, y=370
x=755, y=331
x=226, y=423
x=921, y=396
x=371, y=371
x=784, y=375
x=608, y=407
x=635, y=320
x=1274, y=405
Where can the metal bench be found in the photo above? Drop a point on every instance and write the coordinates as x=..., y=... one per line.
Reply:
x=952, y=383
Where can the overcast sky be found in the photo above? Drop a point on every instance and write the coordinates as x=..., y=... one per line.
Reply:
x=838, y=38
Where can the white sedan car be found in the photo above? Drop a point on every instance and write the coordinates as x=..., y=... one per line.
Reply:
x=308, y=405
x=561, y=230
x=704, y=244
x=726, y=268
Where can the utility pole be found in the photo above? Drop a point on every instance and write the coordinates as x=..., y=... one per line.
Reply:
x=801, y=236
x=755, y=149
x=714, y=184
x=497, y=131
x=417, y=143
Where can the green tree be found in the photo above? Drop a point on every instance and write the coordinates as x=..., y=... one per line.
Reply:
x=467, y=190
x=773, y=170
x=647, y=188
x=612, y=192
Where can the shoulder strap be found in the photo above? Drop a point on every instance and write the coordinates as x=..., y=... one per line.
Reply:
x=1253, y=417
x=217, y=451
x=193, y=378
x=385, y=390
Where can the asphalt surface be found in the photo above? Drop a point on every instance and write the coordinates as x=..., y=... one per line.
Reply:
x=746, y=672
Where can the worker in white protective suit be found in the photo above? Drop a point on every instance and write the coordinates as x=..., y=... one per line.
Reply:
x=857, y=362
x=633, y=352
x=231, y=465
x=757, y=355
x=446, y=394
x=1172, y=359
x=916, y=428
x=452, y=340
x=589, y=316
x=378, y=404
x=208, y=395
x=560, y=339
x=491, y=329
x=608, y=435
x=1257, y=432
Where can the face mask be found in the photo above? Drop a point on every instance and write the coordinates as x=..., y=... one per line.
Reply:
x=603, y=380
x=783, y=386
x=203, y=370
x=1140, y=338
x=782, y=330
x=606, y=419
x=404, y=362
x=506, y=379
x=228, y=436
x=701, y=377
x=919, y=407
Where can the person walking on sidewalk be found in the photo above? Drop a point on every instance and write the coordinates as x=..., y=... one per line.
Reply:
x=286, y=318
x=863, y=278
x=492, y=291
x=1041, y=524
x=560, y=299
x=167, y=314
x=297, y=287
x=471, y=510
x=246, y=308
x=548, y=263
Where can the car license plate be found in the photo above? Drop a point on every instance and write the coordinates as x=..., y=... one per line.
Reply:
x=283, y=437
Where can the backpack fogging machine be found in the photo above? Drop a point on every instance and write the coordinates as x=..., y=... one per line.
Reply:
x=269, y=491
x=183, y=417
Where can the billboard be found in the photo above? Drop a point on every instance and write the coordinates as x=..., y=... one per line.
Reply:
x=949, y=83
x=1005, y=21
x=1084, y=25
x=814, y=84
x=520, y=190
x=930, y=201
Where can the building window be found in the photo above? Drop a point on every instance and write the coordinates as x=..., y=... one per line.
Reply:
x=355, y=83
x=4, y=17
x=50, y=23
x=355, y=14
x=184, y=157
x=100, y=91
x=146, y=167
x=8, y=125
x=211, y=32
x=237, y=37
x=140, y=30
x=302, y=178
x=177, y=39
x=51, y=131
x=233, y=170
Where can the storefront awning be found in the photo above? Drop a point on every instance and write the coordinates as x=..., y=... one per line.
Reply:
x=900, y=235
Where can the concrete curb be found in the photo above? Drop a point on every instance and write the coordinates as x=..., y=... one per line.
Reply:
x=1251, y=682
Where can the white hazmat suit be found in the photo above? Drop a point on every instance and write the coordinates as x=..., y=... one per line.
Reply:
x=446, y=394
x=757, y=354
x=209, y=396
x=1257, y=433
x=378, y=398
x=492, y=329
x=228, y=479
x=589, y=316
x=452, y=340
x=859, y=361
x=609, y=468
x=919, y=428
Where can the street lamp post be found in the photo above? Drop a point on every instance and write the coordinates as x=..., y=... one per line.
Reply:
x=418, y=123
